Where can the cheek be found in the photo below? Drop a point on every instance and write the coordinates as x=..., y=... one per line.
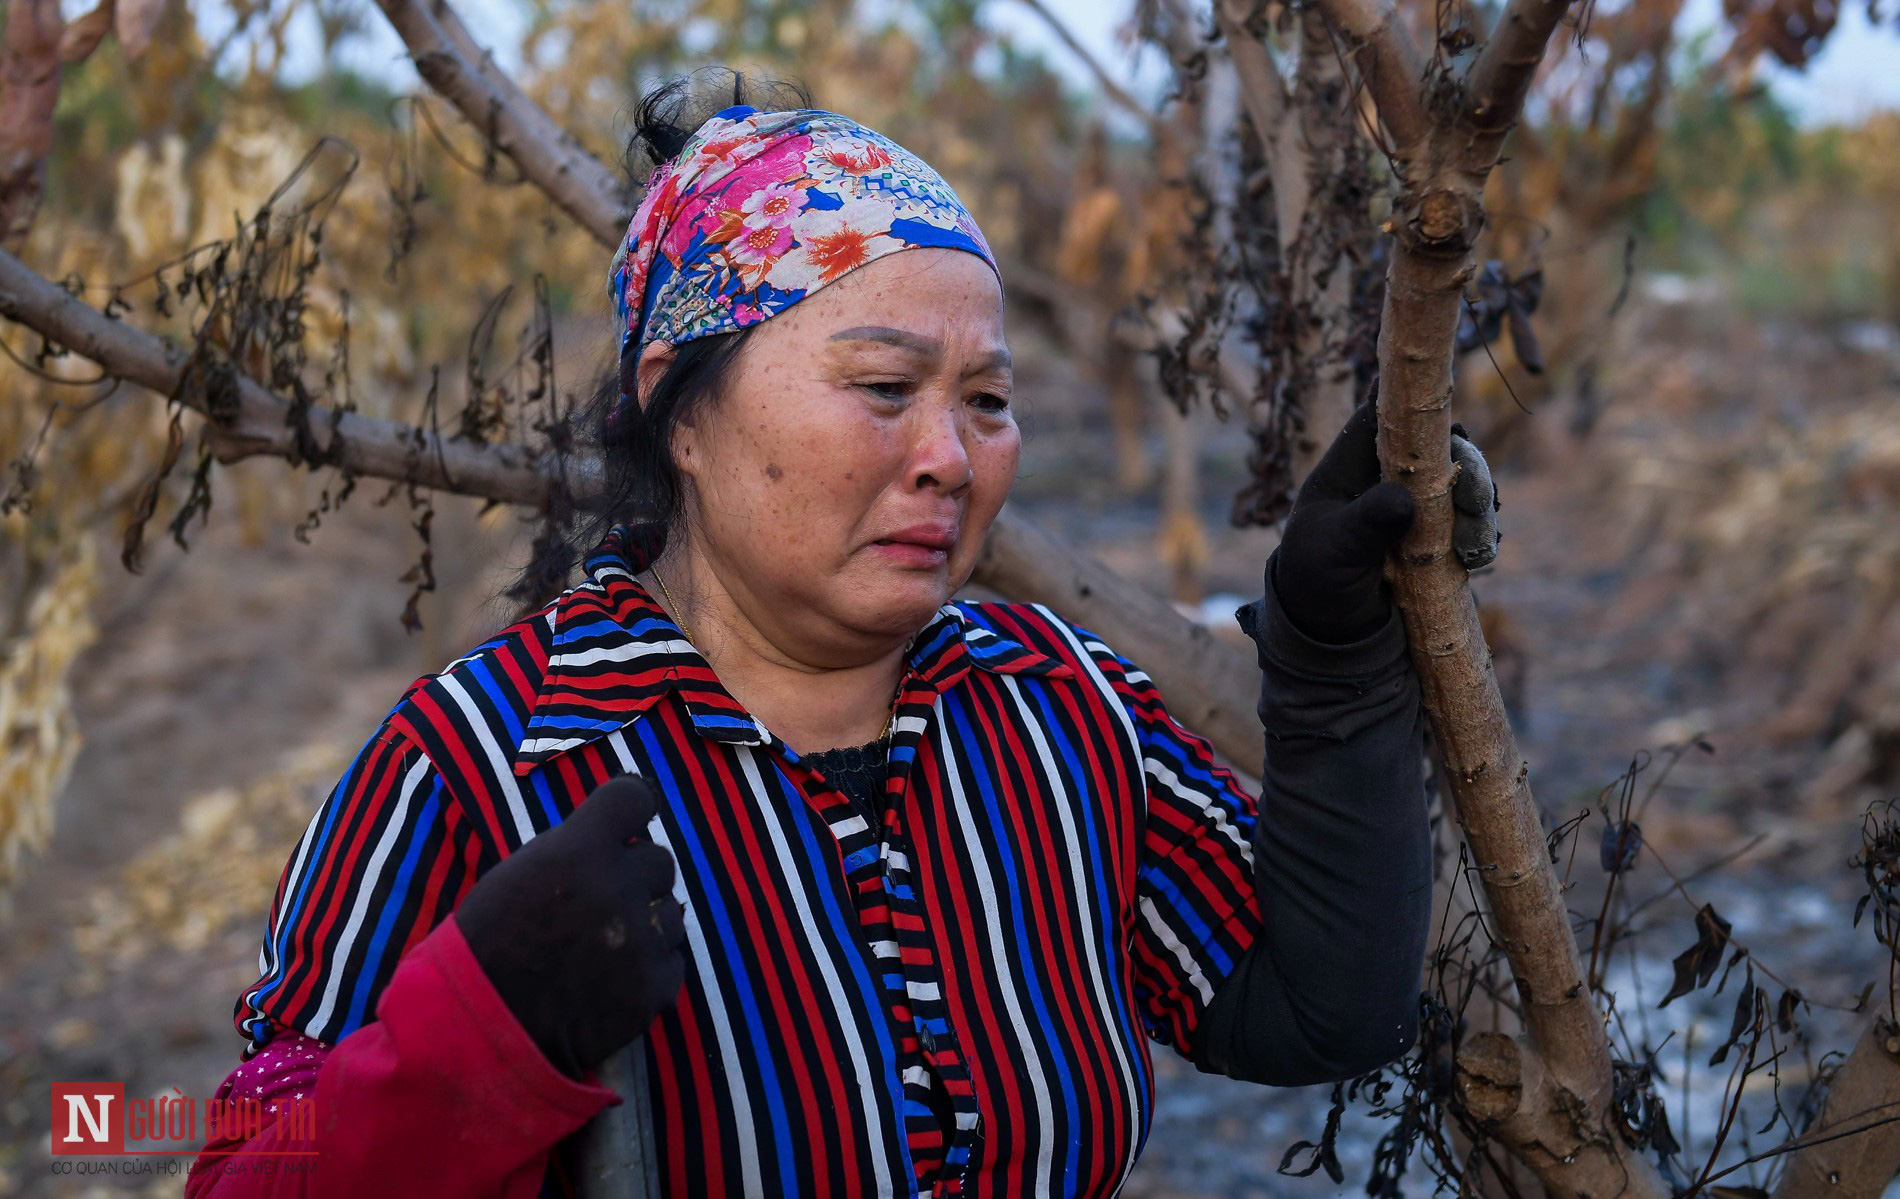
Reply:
x=789, y=482
x=993, y=460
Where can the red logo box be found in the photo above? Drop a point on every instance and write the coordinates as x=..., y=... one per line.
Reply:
x=88, y=1118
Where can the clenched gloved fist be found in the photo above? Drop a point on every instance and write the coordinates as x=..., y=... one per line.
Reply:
x=1328, y=571
x=578, y=929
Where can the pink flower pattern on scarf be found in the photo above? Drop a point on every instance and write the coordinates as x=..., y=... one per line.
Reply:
x=761, y=209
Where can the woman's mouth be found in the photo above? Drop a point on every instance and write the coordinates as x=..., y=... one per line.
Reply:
x=922, y=545
x=911, y=553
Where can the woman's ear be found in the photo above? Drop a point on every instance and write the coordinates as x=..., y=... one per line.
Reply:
x=648, y=371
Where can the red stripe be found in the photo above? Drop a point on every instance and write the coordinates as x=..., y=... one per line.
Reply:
x=373, y=785
x=1037, y=884
x=939, y=877
x=784, y=932
x=1100, y=728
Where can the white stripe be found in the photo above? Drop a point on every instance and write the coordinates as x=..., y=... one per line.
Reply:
x=1146, y=906
x=340, y=957
x=1095, y=921
x=849, y=828
x=869, y=1081
x=1026, y=1036
x=619, y=652
x=549, y=745
x=266, y=960
x=922, y=992
x=499, y=766
x=1216, y=813
x=700, y=960
x=1152, y=915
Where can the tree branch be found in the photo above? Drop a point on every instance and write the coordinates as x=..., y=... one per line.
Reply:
x=1389, y=62
x=546, y=154
x=1110, y=88
x=260, y=423
x=1263, y=93
x=1858, y=1166
x=29, y=92
x=1501, y=77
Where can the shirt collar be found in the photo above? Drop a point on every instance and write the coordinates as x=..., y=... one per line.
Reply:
x=616, y=653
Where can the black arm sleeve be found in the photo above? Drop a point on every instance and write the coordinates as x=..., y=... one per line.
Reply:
x=1342, y=864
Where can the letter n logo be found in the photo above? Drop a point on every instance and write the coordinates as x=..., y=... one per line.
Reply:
x=88, y=1117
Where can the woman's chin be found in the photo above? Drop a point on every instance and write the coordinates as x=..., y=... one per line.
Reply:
x=901, y=602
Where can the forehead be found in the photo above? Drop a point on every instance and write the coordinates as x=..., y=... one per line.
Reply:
x=947, y=296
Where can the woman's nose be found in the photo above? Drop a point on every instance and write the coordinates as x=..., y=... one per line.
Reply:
x=939, y=457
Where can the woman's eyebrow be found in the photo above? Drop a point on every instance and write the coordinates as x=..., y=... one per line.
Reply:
x=917, y=343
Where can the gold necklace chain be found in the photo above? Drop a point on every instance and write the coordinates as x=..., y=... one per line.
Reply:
x=673, y=604
x=890, y=720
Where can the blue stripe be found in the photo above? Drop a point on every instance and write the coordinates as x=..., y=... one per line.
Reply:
x=557, y=723
x=710, y=720
x=499, y=699
x=842, y=930
x=418, y=833
x=1107, y=934
x=605, y=627
x=976, y=752
x=1203, y=935
x=312, y=861
x=725, y=943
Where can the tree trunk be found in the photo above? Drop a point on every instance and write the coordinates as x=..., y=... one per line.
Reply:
x=1838, y=1162
x=1547, y=1097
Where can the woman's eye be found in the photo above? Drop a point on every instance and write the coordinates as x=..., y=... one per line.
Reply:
x=888, y=389
x=991, y=402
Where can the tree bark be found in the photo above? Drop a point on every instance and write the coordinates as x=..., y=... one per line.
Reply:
x=1548, y=1097
x=1864, y=1094
x=546, y=154
x=260, y=422
x=29, y=92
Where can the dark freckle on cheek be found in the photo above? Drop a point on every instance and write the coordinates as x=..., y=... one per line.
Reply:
x=772, y=472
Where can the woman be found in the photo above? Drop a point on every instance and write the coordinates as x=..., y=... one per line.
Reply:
x=896, y=889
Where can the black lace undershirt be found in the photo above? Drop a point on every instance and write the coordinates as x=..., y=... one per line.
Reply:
x=858, y=771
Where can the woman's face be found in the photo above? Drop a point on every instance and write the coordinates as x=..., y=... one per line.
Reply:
x=841, y=486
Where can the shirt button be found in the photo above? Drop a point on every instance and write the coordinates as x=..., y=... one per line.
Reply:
x=928, y=1040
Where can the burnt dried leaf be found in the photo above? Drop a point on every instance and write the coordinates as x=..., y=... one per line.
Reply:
x=1324, y=1152
x=1524, y=338
x=1785, y=1009
x=1741, y=1022
x=1622, y=840
x=1695, y=966
x=1866, y=993
x=1661, y=1137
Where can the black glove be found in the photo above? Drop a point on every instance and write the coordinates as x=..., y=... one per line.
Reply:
x=1329, y=570
x=578, y=929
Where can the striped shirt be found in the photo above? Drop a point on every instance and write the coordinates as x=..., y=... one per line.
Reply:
x=958, y=1001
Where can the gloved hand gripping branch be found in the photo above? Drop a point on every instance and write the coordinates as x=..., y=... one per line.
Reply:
x=1328, y=572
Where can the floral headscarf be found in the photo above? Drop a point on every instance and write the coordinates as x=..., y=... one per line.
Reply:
x=760, y=209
